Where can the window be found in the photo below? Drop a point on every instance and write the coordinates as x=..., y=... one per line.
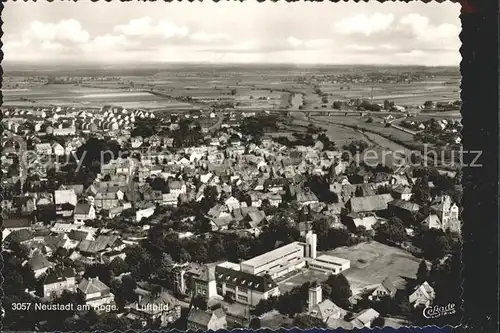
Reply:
x=243, y=298
x=243, y=290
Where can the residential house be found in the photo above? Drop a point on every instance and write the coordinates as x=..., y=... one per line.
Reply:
x=147, y=211
x=63, y=196
x=371, y=203
x=365, y=318
x=58, y=149
x=402, y=192
x=136, y=142
x=232, y=203
x=39, y=264
x=24, y=205
x=43, y=149
x=57, y=280
x=206, y=321
x=306, y=198
x=423, y=295
x=177, y=187
x=353, y=221
x=385, y=289
x=403, y=209
x=323, y=309
x=221, y=222
x=95, y=292
x=84, y=212
x=274, y=199
x=12, y=224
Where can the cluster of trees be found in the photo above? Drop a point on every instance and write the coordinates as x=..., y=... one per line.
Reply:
x=289, y=303
x=338, y=289
x=155, y=256
x=256, y=126
x=145, y=128
x=306, y=139
x=330, y=238
x=188, y=134
x=392, y=232
x=366, y=105
x=293, y=302
x=443, y=185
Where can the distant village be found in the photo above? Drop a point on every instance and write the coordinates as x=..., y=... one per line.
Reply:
x=200, y=220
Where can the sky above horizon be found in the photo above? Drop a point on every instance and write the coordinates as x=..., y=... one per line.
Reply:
x=392, y=33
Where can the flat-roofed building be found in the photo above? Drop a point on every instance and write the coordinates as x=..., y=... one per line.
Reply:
x=330, y=264
x=277, y=262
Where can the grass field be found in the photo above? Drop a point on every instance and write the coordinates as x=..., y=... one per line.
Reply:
x=414, y=93
x=74, y=95
x=372, y=262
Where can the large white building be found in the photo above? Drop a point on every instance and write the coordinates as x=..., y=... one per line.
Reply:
x=282, y=260
x=253, y=280
x=243, y=287
x=329, y=264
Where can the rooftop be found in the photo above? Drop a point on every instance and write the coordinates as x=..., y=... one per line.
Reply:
x=273, y=255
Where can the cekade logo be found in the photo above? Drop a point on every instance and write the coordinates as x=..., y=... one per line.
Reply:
x=439, y=311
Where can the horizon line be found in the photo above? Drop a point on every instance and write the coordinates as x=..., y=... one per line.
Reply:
x=226, y=63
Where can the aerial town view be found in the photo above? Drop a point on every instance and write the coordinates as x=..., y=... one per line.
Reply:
x=253, y=191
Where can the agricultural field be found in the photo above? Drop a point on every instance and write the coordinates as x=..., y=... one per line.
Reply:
x=372, y=262
x=74, y=95
x=339, y=134
x=410, y=94
x=377, y=125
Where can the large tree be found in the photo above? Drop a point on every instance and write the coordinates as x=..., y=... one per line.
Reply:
x=340, y=290
x=422, y=272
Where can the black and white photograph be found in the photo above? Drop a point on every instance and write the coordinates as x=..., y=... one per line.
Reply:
x=232, y=165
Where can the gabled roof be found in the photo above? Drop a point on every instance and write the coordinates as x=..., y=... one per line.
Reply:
x=327, y=308
x=199, y=317
x=432, y=219
x=59, y=274
x=38, y=261
x=406, y=205
x=389, y=285
x=370, y=203
x=92, y=286
x=82, y=209
x=16, y=222
x=364, y=317
x=244, y=279
x=426, y=290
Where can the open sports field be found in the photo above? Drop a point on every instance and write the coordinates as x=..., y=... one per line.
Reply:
x=372, y=262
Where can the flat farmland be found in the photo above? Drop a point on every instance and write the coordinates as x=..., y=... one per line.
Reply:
x=337, y=133
x=376, y=126
x=74, y=95
x=372, y=262
x=414, y=93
